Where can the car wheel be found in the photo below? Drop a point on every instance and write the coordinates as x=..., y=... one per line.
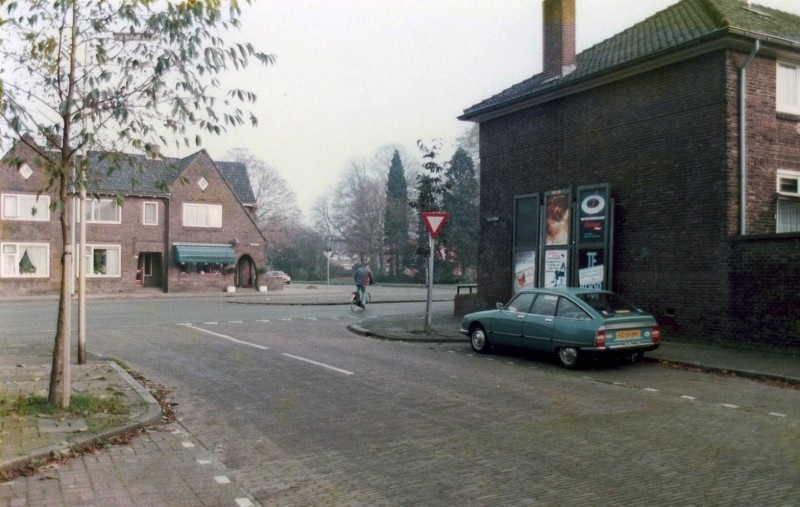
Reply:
x=569, y=357
x=478, y=340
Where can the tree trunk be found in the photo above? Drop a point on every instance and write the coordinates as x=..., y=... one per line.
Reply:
x=59, y=393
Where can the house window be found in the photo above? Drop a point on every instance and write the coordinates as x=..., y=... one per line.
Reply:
x=788, y=216
x=25, y=260
x=202, y=215
x=150, y=213
x=102, y=260
x=30, y=207
x=788, y=88
x=103, y=211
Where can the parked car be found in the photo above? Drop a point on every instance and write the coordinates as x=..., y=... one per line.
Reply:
x=571, y=322
x=281, y=275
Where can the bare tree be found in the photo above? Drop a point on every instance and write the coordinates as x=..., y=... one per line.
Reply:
x=277, y=213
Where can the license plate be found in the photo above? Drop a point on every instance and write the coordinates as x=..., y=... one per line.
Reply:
x=627, y=335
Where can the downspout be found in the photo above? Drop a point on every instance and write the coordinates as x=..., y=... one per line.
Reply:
x=743, y=138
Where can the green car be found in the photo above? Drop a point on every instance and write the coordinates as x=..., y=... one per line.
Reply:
x=571, y=322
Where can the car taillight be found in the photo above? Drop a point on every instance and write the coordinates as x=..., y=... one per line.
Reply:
x=600, y=338
x=655, y=332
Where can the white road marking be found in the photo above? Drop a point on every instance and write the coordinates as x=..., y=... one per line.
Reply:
x=204, y=461
x=685, y=397
x=650, y=389
x=244, y=502
x=187, y=445
x=777, y=414
x=221, y=479
x=235, y=322
x=318, y=364
x=240, y=342
x=728, y=405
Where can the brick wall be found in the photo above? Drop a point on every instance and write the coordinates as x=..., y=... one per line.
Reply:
x=661, y=140
x=667, y=142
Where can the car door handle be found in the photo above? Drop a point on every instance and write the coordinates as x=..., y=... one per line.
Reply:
x=520, y=317
x=548, y=320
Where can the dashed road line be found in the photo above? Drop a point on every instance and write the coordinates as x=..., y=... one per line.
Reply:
x=240, y=342
x=316, y=363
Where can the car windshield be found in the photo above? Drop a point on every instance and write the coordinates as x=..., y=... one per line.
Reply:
x=608, y=303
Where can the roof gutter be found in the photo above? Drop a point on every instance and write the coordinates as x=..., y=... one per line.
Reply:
x=743, y=138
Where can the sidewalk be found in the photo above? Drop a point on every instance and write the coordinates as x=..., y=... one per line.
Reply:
x=25, y=439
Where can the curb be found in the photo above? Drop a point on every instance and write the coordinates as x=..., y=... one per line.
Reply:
x=362, y=331
x=152, y=415
x=751, y=374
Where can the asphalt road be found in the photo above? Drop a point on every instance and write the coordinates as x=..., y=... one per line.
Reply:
x=303, y=412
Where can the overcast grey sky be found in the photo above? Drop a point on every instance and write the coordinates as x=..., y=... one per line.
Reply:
x=354, y=75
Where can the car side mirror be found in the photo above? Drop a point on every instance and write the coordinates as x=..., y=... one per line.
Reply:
x=499, y=306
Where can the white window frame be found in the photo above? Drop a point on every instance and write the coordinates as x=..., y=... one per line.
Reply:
x=89, y=259
x=784, y=106
x=211, y=215
x=8, y=265
x=145, y=204
x=785, y=174
x=40, y=202
x=92, y=209
x=786, y=216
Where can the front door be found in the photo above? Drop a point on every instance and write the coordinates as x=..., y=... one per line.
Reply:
x=148, y=271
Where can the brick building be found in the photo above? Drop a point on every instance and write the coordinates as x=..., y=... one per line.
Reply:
x=183, y=225
x=688, y=126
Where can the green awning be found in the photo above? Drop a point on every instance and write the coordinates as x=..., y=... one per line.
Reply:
x=209, y=254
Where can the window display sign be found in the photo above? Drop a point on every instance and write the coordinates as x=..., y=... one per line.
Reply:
x=593, y=207
x=525, y=270
x=557, y=218
x=591, y=268
x=555, y=268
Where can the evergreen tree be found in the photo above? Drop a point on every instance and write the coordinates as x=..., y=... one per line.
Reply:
x=430, y=188
x=396, y=216
x=460, y=200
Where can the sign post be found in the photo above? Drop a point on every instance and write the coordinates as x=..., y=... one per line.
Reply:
x=328, y=251
x=434, y=222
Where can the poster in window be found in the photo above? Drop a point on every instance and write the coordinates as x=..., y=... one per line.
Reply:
x=555, y=268
x=557, y=218
x=591, y=268
x=593, y=214
x=525, y=270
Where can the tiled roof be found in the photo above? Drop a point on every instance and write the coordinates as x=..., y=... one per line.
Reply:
x=137, y=174
x=235, y=173
x=684, y=24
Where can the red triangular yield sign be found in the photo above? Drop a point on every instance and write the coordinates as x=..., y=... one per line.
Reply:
x=434, y=222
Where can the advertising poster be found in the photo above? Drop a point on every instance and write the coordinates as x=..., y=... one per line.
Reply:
x=591, y=269
x=555, y=268
x=525, y=271
x=593, y=215
x=557, y=219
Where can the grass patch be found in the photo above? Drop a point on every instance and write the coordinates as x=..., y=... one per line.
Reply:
x=86, y=405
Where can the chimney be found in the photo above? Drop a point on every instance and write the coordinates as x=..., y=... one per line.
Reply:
x=559, y=38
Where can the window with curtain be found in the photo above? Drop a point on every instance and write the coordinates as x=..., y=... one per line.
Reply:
x=21, y=260
x=788, y=88
x=150, y=213
x=104, y=211
x=102, y=260
x=202, y=215
x=29, y=207
x=788, y=216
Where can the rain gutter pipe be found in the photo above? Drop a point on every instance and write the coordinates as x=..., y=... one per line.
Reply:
x=743, y=138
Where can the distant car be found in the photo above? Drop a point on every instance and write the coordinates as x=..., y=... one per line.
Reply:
x=571, y=322
x=281, y=275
